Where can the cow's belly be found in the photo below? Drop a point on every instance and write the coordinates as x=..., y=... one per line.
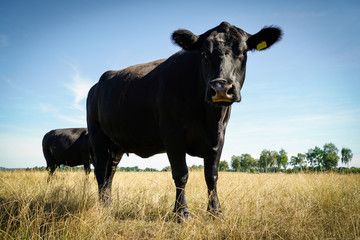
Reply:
x=200, y=149
x=142, y=140
x=144, y=149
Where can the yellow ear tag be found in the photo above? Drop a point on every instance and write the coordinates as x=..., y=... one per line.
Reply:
x=261, y=45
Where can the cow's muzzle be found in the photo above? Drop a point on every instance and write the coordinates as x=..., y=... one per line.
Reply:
x=222, y=90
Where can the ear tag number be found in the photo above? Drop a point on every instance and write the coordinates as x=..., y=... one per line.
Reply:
x=261, y=45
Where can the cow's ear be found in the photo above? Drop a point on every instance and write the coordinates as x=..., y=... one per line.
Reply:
x=186, y=39
x=264, y=39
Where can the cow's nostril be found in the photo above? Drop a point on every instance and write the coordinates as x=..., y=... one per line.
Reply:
x=231, y=91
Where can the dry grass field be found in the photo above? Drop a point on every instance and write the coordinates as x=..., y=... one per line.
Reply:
x=256, y=206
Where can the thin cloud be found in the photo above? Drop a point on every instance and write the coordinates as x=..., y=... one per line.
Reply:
x=78, y=119
x=79, y=87
x=12, y=84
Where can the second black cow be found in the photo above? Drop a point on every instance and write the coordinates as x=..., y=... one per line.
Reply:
x=180, y=105
x=69, y=146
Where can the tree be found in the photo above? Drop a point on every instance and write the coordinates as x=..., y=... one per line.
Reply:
x=265, y=159
x=255, y=165
x=223, y=166
x=310, y=157
x=298, y=160
x=246, y=161
x=315, y=156
x=235, y=163
x=273, y=156
x=166, y=169
x=318, y=156
x=150, y=170
x=282, y=159
x=346, y=156
x=197, y=167
x=330, y=157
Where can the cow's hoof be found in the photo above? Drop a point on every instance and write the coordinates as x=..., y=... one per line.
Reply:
x=181, y=215
x=105, y=201
x=215, y=214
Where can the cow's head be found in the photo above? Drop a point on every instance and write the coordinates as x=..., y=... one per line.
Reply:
x=223, y=52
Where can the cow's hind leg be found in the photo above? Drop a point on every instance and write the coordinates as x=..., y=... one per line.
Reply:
x=51, y=169
x=87, y=168
x=113, y=160
x=100, y=142
x=105, y=162
x=50, y=162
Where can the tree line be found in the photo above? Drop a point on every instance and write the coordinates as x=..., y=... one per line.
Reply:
x=65, y=168
x=315, y=159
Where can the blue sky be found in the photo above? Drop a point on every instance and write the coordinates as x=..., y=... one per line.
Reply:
x=301, y=93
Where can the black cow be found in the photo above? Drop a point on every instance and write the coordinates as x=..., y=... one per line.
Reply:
x=177, y=105
x=69, y=147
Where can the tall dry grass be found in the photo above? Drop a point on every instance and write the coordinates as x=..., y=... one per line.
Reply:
x=256, y=206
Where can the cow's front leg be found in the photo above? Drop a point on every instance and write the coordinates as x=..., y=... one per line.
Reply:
x=180, y=208
x=180, y=175
x=211, y=177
